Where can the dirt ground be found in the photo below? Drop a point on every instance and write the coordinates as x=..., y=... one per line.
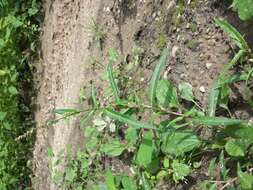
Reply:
x=199, y=52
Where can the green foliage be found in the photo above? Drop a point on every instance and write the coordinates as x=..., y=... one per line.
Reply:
x=113, y=148
x=244, y=8
x=156, y=75
x=159, y=138
x=19, y=29
x=146, y=152
x=180, y=170
x=112, y=58
x=178, y=143
x=166, y=94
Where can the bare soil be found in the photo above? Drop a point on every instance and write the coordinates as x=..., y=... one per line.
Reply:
x=199, y=52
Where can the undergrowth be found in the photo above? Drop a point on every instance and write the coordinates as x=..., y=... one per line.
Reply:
x=155, y=141
x=19, y=29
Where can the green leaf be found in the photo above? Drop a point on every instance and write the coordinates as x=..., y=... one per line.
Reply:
x=71, y=174
x=185, y=90
x=156, y=75
x=128, y=183
x=2, y=115
x=178, y=143
x=12, y=90
x=244, y=8
x=223, y=170
x=110, y=181
x=125, y=119
x=112, y=59
x=213, y=99
x=145, y=182
x=113, y=148
x=146, y=151
x=166, y=94
x=233, y=33
x=113, y=55
x=245, y=179
x=241, y=131
x=180, y=170
x=211, y=168
x=216, y=121
x=235, y=147
x=65, y=111
x=224, y=96
x=131, y=136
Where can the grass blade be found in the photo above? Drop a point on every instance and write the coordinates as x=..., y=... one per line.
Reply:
x=65, y=111
x=112, y=59
x=216, y=121
x=233, y=33
x=213, y=99
x=232, y=63
x=215, y=91
x=156, y=75
x=125, y=119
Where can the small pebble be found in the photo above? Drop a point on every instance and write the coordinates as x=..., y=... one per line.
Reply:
x=174, y=51
x=202, y=89
x=209, y=65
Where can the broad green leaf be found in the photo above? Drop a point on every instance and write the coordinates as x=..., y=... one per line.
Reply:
x=245, y=179
x=178, y=143
x=180, y=170
x=166, y=94
x=131, y=136
x=235, y=147
x=12, y=90
x=125, y=119
x=128, y=183
x=156, y=75
x=110, y=181
x=244, y=8
x=65, y=111
x=233, y=33
x=112, y=59
x=185, y=90
x=113, y=148
x=216, y=121
x=146, y=151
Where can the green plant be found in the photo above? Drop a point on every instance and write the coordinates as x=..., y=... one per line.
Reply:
x=166, y=146
x=98, y=34
x=19, y=28
x=244, y=8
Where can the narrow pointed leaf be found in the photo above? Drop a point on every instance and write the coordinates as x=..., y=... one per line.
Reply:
x=233, y=33
x=216, y=121
x=125, y=119
x=213, y=99
x=112, y=81
x=156, y=75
